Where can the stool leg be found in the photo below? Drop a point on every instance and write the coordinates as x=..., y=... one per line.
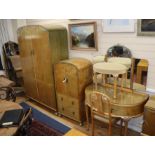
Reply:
x=115, y=87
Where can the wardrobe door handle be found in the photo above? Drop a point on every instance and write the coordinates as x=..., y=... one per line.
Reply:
x=65, y=80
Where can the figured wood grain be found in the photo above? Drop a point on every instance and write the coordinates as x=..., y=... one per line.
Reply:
x=71, y=78
x=42, y=48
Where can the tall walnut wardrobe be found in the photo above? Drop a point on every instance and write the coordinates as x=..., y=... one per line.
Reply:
x=40, y=49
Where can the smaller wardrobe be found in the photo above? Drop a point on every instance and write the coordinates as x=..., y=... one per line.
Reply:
x=71, y=78
x=40, y=49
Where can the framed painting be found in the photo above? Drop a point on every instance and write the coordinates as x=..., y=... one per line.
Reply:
x=118, y=25
x=83, y=36
x=146, y=27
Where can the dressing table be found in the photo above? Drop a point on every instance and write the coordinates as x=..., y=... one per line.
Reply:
x=127, y=105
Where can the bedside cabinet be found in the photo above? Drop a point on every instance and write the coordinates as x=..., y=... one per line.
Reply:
x=149, y=118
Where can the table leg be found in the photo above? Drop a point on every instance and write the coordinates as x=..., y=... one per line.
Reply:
x=126, y=127
x=115, y=86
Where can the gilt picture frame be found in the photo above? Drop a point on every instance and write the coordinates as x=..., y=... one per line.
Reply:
x=83, y=36
x=146, y=27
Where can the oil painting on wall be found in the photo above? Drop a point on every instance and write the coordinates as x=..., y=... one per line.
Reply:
x=146, y=27
x=83, y=36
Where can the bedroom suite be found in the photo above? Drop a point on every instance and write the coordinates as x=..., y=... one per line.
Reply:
x=72, y=77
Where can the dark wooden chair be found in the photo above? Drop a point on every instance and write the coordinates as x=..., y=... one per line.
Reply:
x=24, y=126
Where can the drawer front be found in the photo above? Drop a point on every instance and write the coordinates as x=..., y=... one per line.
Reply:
x=68, y=107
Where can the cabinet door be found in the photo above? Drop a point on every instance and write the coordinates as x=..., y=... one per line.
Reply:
x=43, y=67
x=25, y=45
x=72, y=87
x=66, y=80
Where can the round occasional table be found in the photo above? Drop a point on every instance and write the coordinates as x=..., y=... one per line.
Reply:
x=4, y=106
x=113, y=69
x=126, y=106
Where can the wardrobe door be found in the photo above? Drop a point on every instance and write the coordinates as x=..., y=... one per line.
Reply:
x=25, y=46
x=43, y=67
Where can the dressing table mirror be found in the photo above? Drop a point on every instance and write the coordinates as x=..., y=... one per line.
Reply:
x=136, y=68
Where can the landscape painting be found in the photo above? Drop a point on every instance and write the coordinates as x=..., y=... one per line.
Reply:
x=83, y=36
x=146, y=27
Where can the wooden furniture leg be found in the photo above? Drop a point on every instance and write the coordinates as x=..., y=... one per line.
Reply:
x=115, y=87
x=87, y=116
x=126, y=127
x=110, y=128
x=121, y=124
x=92, y=122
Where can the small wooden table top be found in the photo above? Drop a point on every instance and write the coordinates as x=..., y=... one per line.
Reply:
x=8, y=105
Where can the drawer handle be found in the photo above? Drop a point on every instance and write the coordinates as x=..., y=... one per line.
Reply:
x=72, y=102
x=73, y=113
x=62, y=109
x=61, y=98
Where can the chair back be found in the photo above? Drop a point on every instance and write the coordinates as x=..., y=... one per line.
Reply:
x=100, y=104
x=25, y=123
x=7, y=93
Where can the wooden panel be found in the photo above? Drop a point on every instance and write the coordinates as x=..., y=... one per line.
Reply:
x=59, y=73
x=43, y=67
x=59, y=44
x=72, y=83
x=42, y=48
x=66, y=71
x=149, y=117
x=25, y=46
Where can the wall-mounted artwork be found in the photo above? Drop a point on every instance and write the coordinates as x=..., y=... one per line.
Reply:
x=118, y=25
x=146, y=27
x=83, y=36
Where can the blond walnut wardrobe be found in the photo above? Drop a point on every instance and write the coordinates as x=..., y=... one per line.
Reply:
x=40, y=49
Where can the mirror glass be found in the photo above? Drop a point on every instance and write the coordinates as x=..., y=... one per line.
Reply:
x=137, y=68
